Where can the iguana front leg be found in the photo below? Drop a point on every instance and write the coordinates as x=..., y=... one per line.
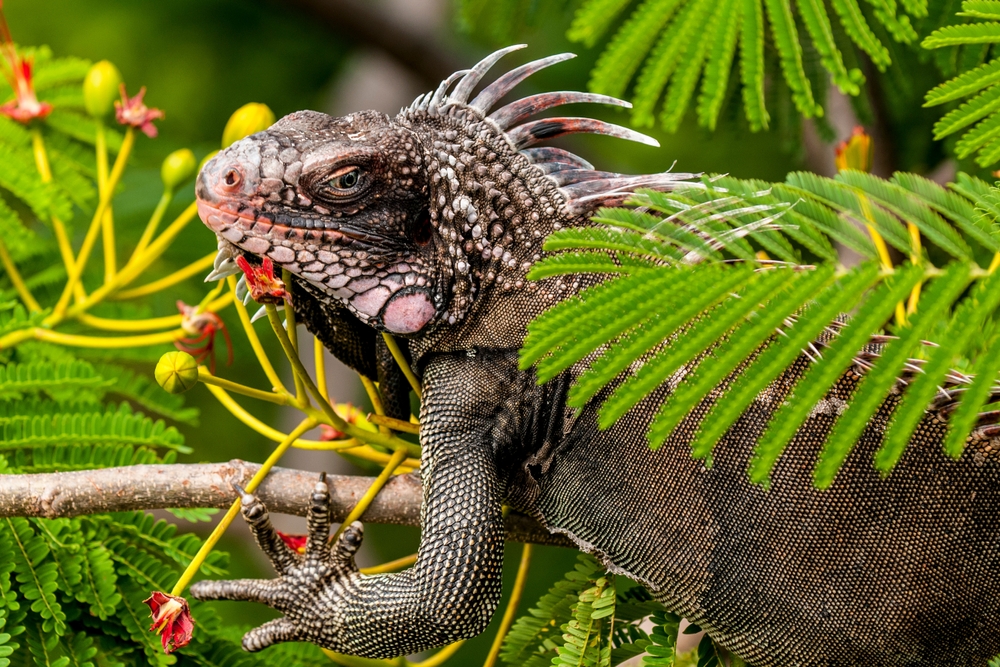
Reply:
x=451, y=591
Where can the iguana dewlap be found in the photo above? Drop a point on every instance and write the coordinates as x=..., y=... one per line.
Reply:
x=425, y=225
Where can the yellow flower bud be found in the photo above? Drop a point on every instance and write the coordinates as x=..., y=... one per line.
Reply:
x=100, y=88
x=176, y=372
x=177, y=168
x=246, y=120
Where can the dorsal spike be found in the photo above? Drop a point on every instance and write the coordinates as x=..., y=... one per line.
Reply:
x=476, y=74
x=439, y=95
x=515, y=112
x=586, y=195
x=571, y=176
x=551, y=154
x=485, y=100
x=549, y=128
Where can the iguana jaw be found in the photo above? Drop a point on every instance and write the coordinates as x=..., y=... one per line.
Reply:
x=356, y=252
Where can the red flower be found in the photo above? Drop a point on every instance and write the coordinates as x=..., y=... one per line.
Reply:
x=201, y=328
x=296, y=543
x=328, y=433
x=171, y=620
x=856, y=152
x=263, y=285
x=131, y=111
x=17, y=70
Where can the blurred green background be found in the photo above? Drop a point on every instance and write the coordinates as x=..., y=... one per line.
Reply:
x=202, y=59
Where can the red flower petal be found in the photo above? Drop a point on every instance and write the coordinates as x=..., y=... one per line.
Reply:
x=263, y=285
x=171, y=620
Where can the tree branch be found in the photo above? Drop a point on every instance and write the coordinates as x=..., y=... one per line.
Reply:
x=286, y=491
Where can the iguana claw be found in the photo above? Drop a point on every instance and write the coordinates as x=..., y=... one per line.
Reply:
x=306, y=583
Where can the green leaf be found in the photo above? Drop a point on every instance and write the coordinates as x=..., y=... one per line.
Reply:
x=722, y=45
x=877, y=383
x=966, y=33
x=821, y=375
x=752, y=65
x=690, y=343
x=36, y=574
x=984, y=76
x=626, y=51
x=966, y=323
x=786, y=38
x=593, y=19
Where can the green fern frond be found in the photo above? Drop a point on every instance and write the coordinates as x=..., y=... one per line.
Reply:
x=967, y=321
x=44, y=647
x=533, y=638
x=877, y=384
x=663, y=647
x=19, y=379
x=79, y=650
x=807, y=393
x=627, y=49
x=593, y=19
x=705, y=357
x=98, y=587
x=966, y=33
x=36, y=574
x=114, y=426
x=672, y=44
x=161, y=537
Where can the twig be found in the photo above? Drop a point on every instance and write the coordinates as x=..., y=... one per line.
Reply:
x=285, y=491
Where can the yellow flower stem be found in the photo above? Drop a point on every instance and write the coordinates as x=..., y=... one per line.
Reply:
x=351, y=446
x=319, y=360
x=76, y=270
x=881, y=248
x=391, y=566
x=108, y=223
x=293, y=337
x=206, y=376
x=17, y=281
x=995, y=264
x=335, y=420
x=397, y=354
x=911, y=304
x=180, y=275
x=107, y=324
x=376, y=399
x=109, y=343
x=153, y=224
x=139, y=262
x=42, y=164
x=395, y=424
x=398, y=457
x=511, y=611
x=209, y=544
x=438, y=658
x=258, y=349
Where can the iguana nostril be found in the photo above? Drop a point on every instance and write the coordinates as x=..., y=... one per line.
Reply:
x=232, y=178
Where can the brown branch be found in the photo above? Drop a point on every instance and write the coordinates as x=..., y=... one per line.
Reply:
x=285, y=491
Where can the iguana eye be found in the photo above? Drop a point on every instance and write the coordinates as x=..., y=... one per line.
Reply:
x=344, y=179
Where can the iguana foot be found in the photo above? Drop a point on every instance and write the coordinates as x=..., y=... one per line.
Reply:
x=309, y=585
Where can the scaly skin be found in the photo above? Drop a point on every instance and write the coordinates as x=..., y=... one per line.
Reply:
x=425, y=226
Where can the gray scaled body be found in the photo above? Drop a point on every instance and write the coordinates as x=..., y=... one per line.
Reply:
x=425, y=225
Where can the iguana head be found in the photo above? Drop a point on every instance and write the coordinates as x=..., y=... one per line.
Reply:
x=406, y=220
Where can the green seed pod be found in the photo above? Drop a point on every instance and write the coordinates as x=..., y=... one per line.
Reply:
x=100, y=88
x=246, y=120
x=176, y=372
x=178, y=168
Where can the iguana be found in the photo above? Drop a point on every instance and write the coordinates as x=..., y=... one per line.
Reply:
x=425, y=225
